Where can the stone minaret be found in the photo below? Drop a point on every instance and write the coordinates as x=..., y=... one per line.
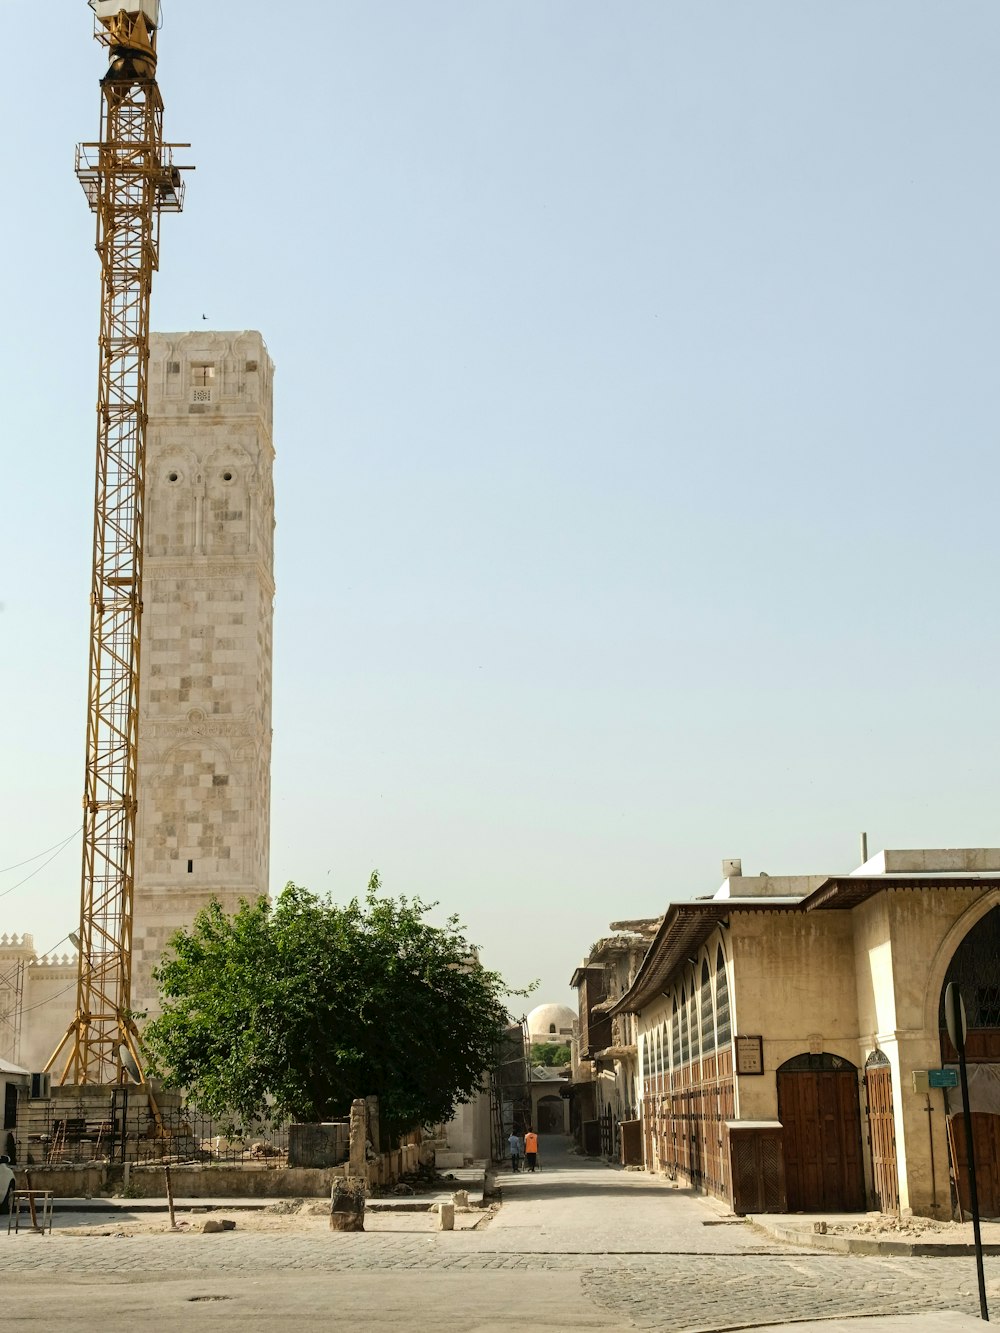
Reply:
x=208, y=589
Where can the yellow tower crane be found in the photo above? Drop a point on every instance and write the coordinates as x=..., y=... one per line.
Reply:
x=130, y=179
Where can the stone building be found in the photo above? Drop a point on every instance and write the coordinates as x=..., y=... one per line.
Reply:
x=551, y=1023
x=203, y=826
x=791, y=1037
x=605, y=1088
x=208, y=587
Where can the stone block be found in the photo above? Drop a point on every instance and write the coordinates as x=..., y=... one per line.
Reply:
x=347, y=1205
x=446, y=1217
x=318, y=1145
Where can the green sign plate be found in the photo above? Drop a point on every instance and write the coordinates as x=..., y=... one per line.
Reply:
x=942, y=1078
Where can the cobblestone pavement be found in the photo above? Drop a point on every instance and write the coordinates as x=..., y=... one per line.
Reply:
x=613, y=1248
x=669, y=1291
x=740, y=1292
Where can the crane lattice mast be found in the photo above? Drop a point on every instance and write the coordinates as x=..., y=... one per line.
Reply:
x=129, y=179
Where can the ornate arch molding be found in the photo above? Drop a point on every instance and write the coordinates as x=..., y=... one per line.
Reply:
x=807, y=1062
x=195, y=741
x=166, y=458
x=946, y=951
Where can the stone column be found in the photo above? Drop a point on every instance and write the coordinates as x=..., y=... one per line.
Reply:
x=357, y=1160
x=372, y=1105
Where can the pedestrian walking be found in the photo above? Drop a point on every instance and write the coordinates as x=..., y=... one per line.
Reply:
x=516, y=1151
x=531, y=1149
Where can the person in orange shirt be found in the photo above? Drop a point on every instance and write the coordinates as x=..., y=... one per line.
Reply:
x=531, y=1149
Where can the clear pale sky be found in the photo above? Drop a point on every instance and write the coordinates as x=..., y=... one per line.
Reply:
x=636, y=424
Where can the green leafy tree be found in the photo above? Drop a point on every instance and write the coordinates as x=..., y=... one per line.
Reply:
x=291, y=1010
x=551, y=1054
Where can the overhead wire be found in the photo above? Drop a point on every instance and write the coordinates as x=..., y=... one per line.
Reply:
x=38, y=869
x=49, y=998
x=27, y=1009
x=18, y=864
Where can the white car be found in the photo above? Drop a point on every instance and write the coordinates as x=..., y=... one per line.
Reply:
x=6, y=1184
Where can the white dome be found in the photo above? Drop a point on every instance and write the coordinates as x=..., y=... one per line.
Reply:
x=551, y=1022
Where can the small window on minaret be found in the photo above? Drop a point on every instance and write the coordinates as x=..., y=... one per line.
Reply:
x=203, y=375
x=190, y=867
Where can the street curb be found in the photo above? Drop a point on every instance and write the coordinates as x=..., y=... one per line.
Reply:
x=859, y=1245
x=109, y=1207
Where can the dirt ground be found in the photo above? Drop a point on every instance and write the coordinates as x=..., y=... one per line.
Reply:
x=295, y=1218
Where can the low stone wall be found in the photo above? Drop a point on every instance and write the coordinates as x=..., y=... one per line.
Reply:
x=389, y=1166
x=245, y=1180
x=222, y=1181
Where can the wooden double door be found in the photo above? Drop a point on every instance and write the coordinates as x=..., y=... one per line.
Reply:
x=820, y=1114
x=986, y=1146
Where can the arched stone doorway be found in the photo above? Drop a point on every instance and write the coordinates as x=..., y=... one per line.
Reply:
x=820, y=1113
x=551, y=1115
x=975, y=967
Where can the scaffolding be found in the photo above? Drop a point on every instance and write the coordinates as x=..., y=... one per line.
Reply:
x=11, y=1009
x=510, y=1087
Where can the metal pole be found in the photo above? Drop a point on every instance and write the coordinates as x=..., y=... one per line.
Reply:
x=930, y=1134
x=170, y=1195
x=959, y=1032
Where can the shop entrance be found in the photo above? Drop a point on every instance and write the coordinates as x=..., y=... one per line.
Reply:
x=820, y=1114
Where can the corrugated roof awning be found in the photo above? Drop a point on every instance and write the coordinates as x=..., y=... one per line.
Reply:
x=687, y=926
x=685, y=929
x=842, y=892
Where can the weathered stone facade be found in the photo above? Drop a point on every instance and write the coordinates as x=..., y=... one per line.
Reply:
x=208, y=590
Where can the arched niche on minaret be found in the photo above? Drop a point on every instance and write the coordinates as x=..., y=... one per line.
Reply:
x=198, y=801
x=173, y=483
x=230, y=479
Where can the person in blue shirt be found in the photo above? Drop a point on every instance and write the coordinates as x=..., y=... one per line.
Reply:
x=516, y=1151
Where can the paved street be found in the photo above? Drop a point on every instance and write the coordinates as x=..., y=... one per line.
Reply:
x=579, y=1245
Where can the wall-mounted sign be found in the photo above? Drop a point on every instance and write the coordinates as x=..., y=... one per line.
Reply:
x=749, y=1055
x=942, y=1078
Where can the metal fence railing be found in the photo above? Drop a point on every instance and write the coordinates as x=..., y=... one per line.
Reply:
x=127, y=1129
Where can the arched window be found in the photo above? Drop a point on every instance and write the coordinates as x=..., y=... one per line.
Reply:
x=685, y=1038
x=723, y=1023
x=693, y=1021
x=552, y=1028
x=675, y=1032
x=974, y=969
x=707, y=1017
